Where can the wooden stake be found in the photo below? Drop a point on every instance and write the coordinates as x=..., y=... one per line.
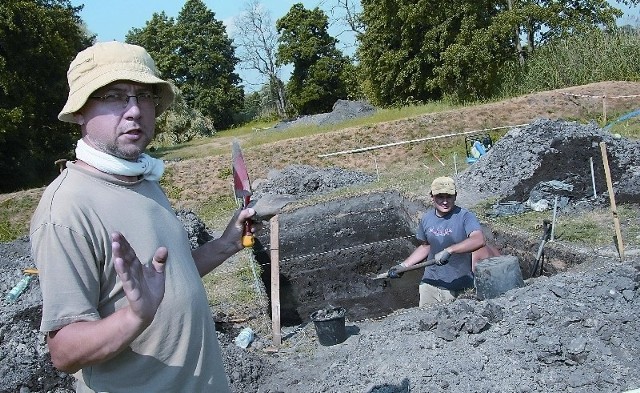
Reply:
x=612, y=199
x=275, y=280
x=593, y=178
x=553, y=222
x=455, y=162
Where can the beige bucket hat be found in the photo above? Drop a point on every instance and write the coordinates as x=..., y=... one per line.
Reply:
x=443, y=185
x=107, y=62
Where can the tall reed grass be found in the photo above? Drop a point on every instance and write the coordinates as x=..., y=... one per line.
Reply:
x=591, y=57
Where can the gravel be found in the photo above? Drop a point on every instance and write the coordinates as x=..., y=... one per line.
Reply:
x=342, y=110
x=576, y=331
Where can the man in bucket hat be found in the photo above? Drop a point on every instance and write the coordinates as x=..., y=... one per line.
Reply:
x=453, y=237
x=124, y=308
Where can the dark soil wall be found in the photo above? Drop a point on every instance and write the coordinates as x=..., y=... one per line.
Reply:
x=328, y=252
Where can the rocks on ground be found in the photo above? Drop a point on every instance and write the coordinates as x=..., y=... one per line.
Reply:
x=342, y=110
x=576, y=331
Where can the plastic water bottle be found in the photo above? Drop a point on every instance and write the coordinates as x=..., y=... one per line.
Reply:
x=244, y=338
x=16, y=291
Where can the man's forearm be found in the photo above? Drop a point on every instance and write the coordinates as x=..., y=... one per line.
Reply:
x=213, y=253
x=474, y=242
x=417, y=256
x=81, y=344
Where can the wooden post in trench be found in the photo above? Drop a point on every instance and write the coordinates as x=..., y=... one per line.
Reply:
x=612, y=199
x=275, y=280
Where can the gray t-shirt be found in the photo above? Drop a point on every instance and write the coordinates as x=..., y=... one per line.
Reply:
x=440, y=233
x=71, y=244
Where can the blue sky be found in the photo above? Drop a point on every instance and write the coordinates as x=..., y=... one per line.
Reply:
x=112, y=19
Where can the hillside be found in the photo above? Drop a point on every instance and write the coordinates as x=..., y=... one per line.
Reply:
x=198, y=180
x=572, y=330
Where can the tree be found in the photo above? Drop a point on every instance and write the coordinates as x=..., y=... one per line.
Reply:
x=258, y=42
x=349, y=12
x=316, y=82
x=196, y=53
x=158, y=38
x=205, y=73
x=38, y=40
x=425, y=49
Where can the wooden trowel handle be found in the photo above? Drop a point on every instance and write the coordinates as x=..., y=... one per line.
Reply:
x=405, y=269
x=247, y=236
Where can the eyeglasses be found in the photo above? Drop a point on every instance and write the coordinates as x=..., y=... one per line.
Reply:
x=121, y=100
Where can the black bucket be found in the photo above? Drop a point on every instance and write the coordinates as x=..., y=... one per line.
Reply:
x=330, y=325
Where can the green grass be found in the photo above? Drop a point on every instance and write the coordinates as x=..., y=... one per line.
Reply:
x=593, y=228
x=15, y=214
x=596, y=228
x=8, y=232
x=172, y=191
x=264, y=133
x=216, y=212
x=628, y=128
x=242, y=292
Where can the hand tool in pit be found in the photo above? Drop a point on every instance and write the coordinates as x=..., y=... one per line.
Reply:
x=403, y=269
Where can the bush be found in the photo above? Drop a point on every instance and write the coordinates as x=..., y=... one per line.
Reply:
x=586, y=58
x=181, y=124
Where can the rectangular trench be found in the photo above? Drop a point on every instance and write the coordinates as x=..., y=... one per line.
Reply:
x=329, y=251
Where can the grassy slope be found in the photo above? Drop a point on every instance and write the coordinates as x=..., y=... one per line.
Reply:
x=198, y=175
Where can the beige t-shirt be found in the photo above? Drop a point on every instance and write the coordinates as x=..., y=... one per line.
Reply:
x=71, y=244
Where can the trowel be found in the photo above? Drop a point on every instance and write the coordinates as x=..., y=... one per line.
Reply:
x=242, y=189
x=403, y=269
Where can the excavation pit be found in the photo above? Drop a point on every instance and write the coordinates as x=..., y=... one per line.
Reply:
x=329, y=251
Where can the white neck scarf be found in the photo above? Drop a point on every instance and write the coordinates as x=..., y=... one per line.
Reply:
x=150, y=168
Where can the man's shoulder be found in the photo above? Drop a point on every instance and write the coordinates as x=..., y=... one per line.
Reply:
x=463, y=211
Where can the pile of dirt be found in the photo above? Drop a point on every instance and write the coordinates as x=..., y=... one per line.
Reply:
x=573, y=332
x=342, y=110
x=25, y=364
x=519, y=166
x=305, y=180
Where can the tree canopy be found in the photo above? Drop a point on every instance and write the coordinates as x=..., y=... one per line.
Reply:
x=196, y=53
x=422, y=50
x=38, y=40
x=317, y=79
x=257, y=43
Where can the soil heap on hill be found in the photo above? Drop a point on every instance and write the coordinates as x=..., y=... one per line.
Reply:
x=528, y=158
x=574, y=332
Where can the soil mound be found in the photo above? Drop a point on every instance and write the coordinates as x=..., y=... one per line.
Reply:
x=305, y=180
x=342, y=110
x=526, y=159
x=573, y=332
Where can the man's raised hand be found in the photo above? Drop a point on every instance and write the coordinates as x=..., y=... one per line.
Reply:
x=143, y=284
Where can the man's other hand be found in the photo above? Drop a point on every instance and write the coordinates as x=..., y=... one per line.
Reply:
x=442, y=257
x=143, y=284
x=394, y=273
